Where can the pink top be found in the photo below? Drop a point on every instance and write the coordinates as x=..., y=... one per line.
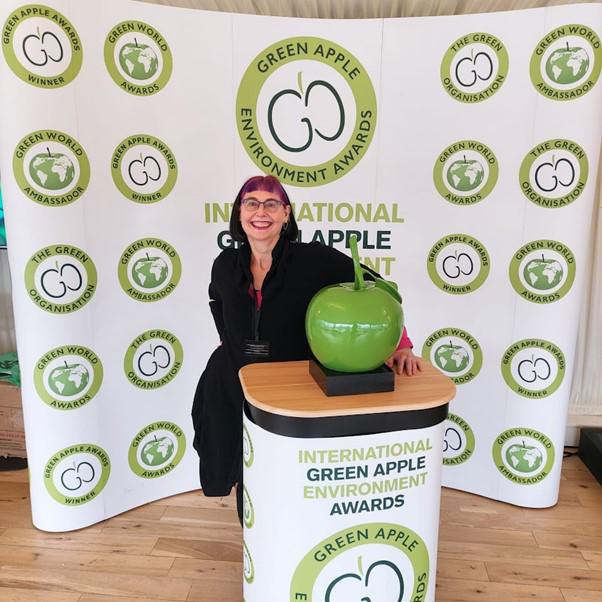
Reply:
x=404, y=343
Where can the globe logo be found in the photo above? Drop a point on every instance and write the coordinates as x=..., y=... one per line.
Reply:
x=567, y=65
x=52, y=171
x=465, y=175
x=543, y=274
x=150, y=272
x=139, y=61
x=157, y=451
x=524, y=458
x=69, y=379
x=451, y=358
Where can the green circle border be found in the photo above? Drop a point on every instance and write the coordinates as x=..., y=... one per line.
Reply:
x=477, y=355
x=443, y=190
x=535, y=66
x=116, y=76
x=308, y=569
x=128, y=362
x=49, y=399
x=104, y=477
x=470, y=440
x=19, y=169
x=122, y=272
x=517, y=285
x=250, y=87
x=128, y=192
x=137, y=468
x=496, y=451
x=507, y=374
x=68, y=75
x=440, y=283
x=247, y=499
x=246, y=552
x=246, y=433
x=30, y=271
x=449, y=56
x=530, y=158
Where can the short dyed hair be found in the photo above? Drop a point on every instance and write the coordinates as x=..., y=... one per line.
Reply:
x=267, y=184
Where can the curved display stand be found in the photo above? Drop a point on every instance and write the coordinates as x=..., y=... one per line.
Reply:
x=341, y=494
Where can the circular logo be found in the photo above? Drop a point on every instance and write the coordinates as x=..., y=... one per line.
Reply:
x=554, y=173
x=60, y=278
x=523, y=455
x=458, y=264
x=68, y=377
x=248, y=454
x=77, y=474
x=138, y=58
x=149, y=269
x=248, y=511
x=373, y=561
x=144, y=169
x=153, y=359
x=248, y=570
x=465, y=172
x=51, y=168
x=41, y=46
x=456, y=352
x=533, y=368
x=458, y=442
x=542, y=271
x=306, y=111
x=156, y=450
x=566, y=63
x=474, y=67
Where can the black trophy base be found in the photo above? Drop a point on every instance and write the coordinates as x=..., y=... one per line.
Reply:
x=590, y=450
x=334, y=383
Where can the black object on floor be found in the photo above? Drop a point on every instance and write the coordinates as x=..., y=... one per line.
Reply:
x=343, y=383
x=12, y=463
x=590, y=450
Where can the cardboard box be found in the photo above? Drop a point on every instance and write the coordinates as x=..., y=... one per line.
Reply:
x=12, y=433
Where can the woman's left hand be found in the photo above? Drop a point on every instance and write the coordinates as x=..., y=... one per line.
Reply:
x=404, y=360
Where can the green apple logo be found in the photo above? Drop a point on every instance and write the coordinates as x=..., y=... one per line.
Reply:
x=473, y=68
x=531, y=370
x=157, y=451
x=144, y=170
x=546, y=176
x=458, y=264
x=465, y=175
x=567, y=65
x=382, y=576
x=524, y=458
x=304, y=98
x=69, y=379
x=139, y=61
x=52, y=171
x=73, y=478
x=543, y=274
x=452, y=439
x=354, y=326
x=150, y=272
x=150, y=362
x=39, y=48
x=451, y=358
x=56, y=281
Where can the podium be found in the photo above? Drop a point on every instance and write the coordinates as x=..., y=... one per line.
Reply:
x=341, y=494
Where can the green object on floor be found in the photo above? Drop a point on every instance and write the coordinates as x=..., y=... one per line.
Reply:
x=9, y=368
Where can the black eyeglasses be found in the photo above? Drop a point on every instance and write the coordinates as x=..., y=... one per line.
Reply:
x=271, y=205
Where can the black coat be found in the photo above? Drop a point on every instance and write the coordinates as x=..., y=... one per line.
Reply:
x=298, y=272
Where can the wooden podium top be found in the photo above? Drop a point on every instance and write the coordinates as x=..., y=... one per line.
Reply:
x=287, y=389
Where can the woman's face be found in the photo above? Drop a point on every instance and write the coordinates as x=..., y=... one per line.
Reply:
x=263, y=224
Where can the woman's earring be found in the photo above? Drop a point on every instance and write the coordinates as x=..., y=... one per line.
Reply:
x=285, y=227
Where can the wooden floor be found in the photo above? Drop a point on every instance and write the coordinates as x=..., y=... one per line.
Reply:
x=188, y=548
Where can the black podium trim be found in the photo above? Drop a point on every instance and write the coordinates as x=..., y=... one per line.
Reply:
x=345, y=426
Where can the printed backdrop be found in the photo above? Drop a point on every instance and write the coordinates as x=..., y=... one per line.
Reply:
x=462, y=150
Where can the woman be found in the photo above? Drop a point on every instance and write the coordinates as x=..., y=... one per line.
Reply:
x=258, y=298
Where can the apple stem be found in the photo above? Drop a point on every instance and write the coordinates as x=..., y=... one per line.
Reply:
x=359, y=566
x=464, y=158
x=147, y=256
x=300, y=81
x=66, y=365
x=359, y=283
x=543, y=257
x=567, y=45
x=49, y=153
x=136, y=42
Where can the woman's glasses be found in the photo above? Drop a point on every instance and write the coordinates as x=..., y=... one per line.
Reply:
x=271, y=205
